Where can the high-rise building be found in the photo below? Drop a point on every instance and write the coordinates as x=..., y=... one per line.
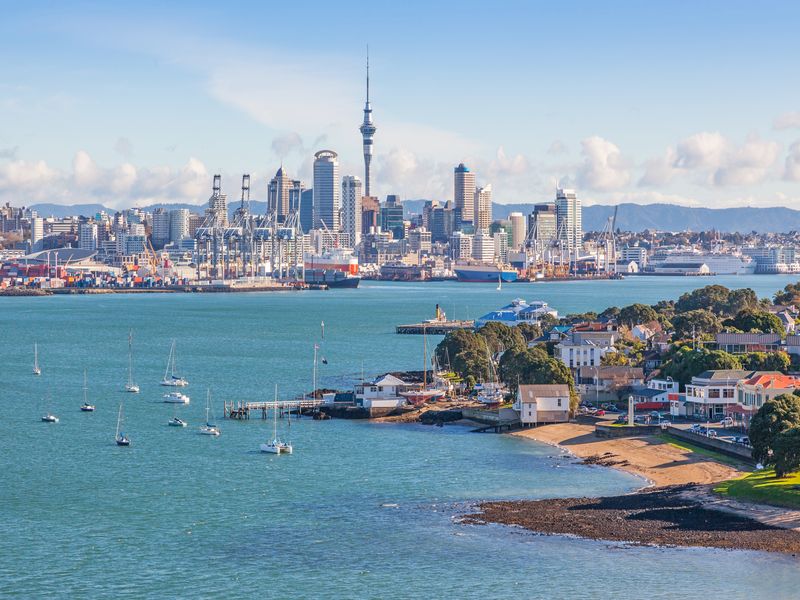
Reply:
x=195, y=223
x=392, y=217
x=367, y=131
x=483, y=246
x=370, y=214
x=306, y=210
x=545, y=222
x=483, y=207
x=278, y=191
x=295, y=196
x=500, y=246
x=419, y=240
x=568, y=212
x=351, y=208
x=460, y=245
x=464, y=193
x=87, y=236
x=443, y=222
x=327, y=190
x=518, y=230
x=37, y=233
x=178, y=224
x=160, y=227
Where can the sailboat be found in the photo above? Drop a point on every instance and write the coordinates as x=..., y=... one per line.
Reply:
x=119, y=437
x=170, y=379
x=86, y=407
x=49, y=417
x=425, y=393
x=499, y=283
x=131, y=386
x=276, y=446
x=209, y=428
x=36, y=369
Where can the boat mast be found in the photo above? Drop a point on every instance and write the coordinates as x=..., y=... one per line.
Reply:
x=84, y=387
x=119, y=418
x=130, y=358
x=275, y=416
x=424, y=358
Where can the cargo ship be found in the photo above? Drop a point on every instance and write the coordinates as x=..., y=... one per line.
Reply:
x=485, y=273
x=335, y=268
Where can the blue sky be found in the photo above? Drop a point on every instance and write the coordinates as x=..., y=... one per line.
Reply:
x=128, y=103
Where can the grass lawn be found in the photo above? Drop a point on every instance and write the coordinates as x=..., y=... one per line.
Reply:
x=764, y=487
x=688, y=446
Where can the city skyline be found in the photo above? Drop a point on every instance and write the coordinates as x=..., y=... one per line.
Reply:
x=129, y=109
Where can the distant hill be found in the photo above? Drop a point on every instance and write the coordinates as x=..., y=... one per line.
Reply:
x=630, y=217
x=666, y=217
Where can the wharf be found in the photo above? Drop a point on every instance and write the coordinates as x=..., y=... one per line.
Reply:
x=241, y=410
x=434, y=327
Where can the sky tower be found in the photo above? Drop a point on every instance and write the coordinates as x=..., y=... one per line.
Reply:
x=367, y=131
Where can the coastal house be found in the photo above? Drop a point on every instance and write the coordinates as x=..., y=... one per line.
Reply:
x=740, y=343
x=586, y=348
x=603, y=383
x=519, y=311
x=542, y=403
x=711, y=394
x=657, y=395
x=758, y=388
x=383, y=393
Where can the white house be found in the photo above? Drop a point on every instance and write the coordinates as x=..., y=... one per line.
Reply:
x=384, y=392
x=542, y=404
x=711, y=393
x=586, y=348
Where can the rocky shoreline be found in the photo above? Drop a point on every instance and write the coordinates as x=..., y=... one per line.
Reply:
x=665, y=516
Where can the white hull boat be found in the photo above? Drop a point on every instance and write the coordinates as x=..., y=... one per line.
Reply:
x=176, y=398
x=170, y=378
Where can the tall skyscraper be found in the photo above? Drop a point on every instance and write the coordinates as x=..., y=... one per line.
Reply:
x=464, y=193
x=544, y=220
x=518, y=230
x=278, y=195
x=160, y=228
x=351, y=208
x=327, y=190
x=392, y=217
x=568, y=210
x=87, y=236
x=483, y=207
x=178, y=224
x=306, y=210
x=367, y=131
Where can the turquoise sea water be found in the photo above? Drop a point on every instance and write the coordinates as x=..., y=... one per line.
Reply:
x=361, y=510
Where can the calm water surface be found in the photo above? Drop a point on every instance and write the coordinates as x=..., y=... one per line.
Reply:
x=360, y=511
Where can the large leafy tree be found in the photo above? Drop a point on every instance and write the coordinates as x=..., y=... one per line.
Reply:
x=636, y=314
x=766, y=361
x=786, y=452
x=717, y=299
x=774, y=417
x=682, y=363
x=465, y=352
x=696, y=322
x=749, y=320
x=529, y=331
x=534, y=365
x=789, y=295
x=500, y=337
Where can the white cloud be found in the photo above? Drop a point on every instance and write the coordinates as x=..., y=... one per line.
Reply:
x=700, y=150
x=603, y=167
x=789, y=120
x=792, y=165
x=28, y=182
x=747, y=164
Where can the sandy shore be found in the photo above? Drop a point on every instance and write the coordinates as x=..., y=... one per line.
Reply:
x=647, y=456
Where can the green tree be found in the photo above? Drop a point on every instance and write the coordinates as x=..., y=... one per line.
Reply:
x=789, y=295
x=499, y=337
x=533, y=365
x=749, y=320
x=694, y=322
x=767, y=361
x=461, y=349
x=612, y=312
x=775, y=416
x=682, y=363
x=529, y=331
x=636, y=314
x=718, y=299
x=614, y=359
x=786, y=452
x=580, y=317
x=472, y=362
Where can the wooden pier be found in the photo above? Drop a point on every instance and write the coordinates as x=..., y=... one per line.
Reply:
x=242, y=410
x=434, y=327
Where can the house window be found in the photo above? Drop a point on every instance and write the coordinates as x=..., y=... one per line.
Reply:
x=727, y=393
x=559, y=402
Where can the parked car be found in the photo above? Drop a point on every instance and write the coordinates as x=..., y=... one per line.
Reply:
x=600, y=413
x=711, y=433
x=726, y=422
x=742, y=439
x=695, y=428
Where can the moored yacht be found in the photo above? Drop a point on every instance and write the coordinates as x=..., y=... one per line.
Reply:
x=170, y=378
x=176, y=398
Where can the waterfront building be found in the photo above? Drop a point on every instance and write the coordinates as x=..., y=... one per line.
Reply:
x=179, y=224
x=460, y=245
x=464, y=193
x=483, y=247
x=501, y=246
x=483, y=207
x=543, y=403
x=351, y=208
x=383, y=393
x=568, y=212
x=517, y=312
x=327, y=190
x=518, y=230
x=278, y=191
x=367, y=132
x=87, y=236
x=635, y=253
x=759, y=387
x=392, y=217
x=710, y=393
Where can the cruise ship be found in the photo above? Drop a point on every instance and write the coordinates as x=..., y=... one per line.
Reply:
x=337, y=267
x=485, y=273
x=718, y=263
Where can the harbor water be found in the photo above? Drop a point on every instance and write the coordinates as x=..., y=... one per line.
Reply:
x=361, y=510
